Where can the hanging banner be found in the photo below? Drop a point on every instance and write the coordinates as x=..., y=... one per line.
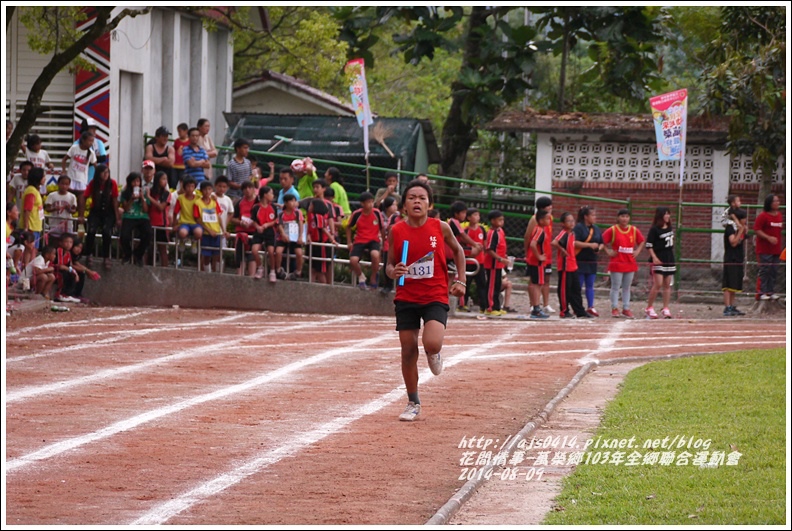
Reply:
x=669, y=115
x=356, y=74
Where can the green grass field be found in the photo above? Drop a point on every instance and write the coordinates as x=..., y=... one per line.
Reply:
x=737, y=401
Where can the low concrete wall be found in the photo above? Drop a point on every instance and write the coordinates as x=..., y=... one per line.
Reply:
x=128, y=285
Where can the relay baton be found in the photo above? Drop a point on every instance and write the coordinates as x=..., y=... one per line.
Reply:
x=404, y=260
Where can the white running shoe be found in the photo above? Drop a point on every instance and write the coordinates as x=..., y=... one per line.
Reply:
x=651, y=313
x=667, y=313
x=259, y=272
x=548, y=309
x=410, y=412
x=435, y=363
x=272, y=276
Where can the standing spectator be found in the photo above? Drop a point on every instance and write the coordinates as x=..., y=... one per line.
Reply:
x=662, y=266
x=568, y=280
x=305, y=175
x=495, y=261
x=733, y=259
x=39, y=157
x=161, y=153
x=479, y=235
x=33, y=206
x=208, y=145
x=76, y=164
x=389, y=207
x=623, y=242
x=245, y=229
x=768, y=227
x=265, y=219
x=60, y=206
x=319, y=232
x=207, y=213
x=99, y=148
x=535, y=258
x=369, y=231
x=546, y=204
x=196, y=159
x=103, y=215
x=135, y=220
x=336, y=212
x=287, y=185
x=178, y=148
x=333, y=179
x=588, y=242
x=390, y=189
x=239, y=169
x=19, y=182
x=458, y=215
x=159, y=199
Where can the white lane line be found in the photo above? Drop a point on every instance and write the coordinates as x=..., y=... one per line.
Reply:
x=212, y=348
x=154, y=414
x=605, y=344
x=120, y=336
x=164, y=512
x=21, y=331
x=615, y=349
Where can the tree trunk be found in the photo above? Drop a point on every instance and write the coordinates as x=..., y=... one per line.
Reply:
x=564, y=58
x=459, y=134
x=766, y=182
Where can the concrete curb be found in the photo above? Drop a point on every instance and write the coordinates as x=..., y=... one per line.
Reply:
x=454, y=504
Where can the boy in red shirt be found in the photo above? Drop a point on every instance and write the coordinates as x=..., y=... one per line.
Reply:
x=536, y=259
x=265, y=223
x=568, y=279
x=626, y=242
x=546, y=204
x=245, y=229
x=423, y=294
x=768, y=227
x=369, y=225
x=495, y=261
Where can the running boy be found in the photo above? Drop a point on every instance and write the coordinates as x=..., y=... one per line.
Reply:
x=568, y=279
x=495, y=261
x=424, y=293
x=369, y=228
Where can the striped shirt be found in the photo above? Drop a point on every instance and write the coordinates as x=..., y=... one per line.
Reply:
x=238, y=172
x=199, y=155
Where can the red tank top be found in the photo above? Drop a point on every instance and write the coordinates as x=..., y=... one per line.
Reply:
x=419, y=287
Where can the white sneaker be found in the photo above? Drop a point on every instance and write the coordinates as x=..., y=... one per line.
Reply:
x=765, y=297
x=548, y=309
x=194, y=247
x=775, y=296
x=272, y=276
x=435, y=363
x=410, y=412
x=651, y=314
x=666, y=313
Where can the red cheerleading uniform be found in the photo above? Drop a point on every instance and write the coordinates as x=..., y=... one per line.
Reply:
x=423, y=240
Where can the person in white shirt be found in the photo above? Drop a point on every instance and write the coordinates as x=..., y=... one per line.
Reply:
x=39, y=157
x=75, y=164
x=60, y=206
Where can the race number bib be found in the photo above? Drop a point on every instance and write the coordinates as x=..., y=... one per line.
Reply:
x=422, y=268
x=246, y=220
x=293, y=230
x=626, y=250
x=209, y=216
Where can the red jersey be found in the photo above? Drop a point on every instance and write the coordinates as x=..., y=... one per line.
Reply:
x=567, y=242
x=427, y=281
x=548, y=250
x=290, y=221
x=496, y=241
x=478, y=235
x=316, y=225
x=158, y=217
x=178, y=147
x=368, y=225
x=772, y=226
x=539, y=236
x=243, y=210
x=624, y=242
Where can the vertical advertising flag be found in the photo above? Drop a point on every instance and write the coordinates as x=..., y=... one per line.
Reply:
x=669, y=115
x=356, y=74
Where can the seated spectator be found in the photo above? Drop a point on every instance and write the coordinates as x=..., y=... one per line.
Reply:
x=369, y=228
x=135, y=220
x=159, y=198
x=75, y=289
x=226, y=205
x=207, y=213
x=290, y=236
x=60, y=205
x=245, y=229
x=40, y=272
x=65, y=274
x=184, y=223
x=265, y=220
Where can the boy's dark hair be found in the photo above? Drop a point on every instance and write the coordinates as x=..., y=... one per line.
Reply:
x=264, y=190
x=32, y=140
x=286, y=169
x=732, y=198
x=740, y=213
x=457, y=207
x=543, y=202
x=47, y=249
x=240, y=142
x=319, y=206
x=9, y=206
x=64, y=178
x=77, y=241
x=191, y=129
x=189, y=180
x=387, y=202
x=419, y=184
x=433, y=213
x=389, y=174
x=496, y=214
x=67, y=235
x=768, y=202
x=471, y=211
x=622, y=211
x=564, y=216
x=221, y=179
x=320, y=182
x=289, y=197
x=182, y=127
x=205, y=185
x=86, y=135
x=35, y=177
x=366, y=196
x=246, y=185
x=541, y=214
x=25, y=163
x=329, y=193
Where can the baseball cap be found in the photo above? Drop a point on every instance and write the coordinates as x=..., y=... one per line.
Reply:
x=148, y=164
x=90, y=122
x=162, y=130
x=297, y=165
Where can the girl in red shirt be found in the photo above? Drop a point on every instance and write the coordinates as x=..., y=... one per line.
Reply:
x=623, y=242
x=424, y=293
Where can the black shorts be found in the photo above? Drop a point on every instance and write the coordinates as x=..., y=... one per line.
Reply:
x=665, y=269
x=265, y=239
x=319, y=252
x=409, y=314
x=733, y=277
x=548, y=270
x=537, y=274
x=161, y=234
x=358, y=248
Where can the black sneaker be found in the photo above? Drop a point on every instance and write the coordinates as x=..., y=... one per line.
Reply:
x=728, y=311
x=735, y=311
